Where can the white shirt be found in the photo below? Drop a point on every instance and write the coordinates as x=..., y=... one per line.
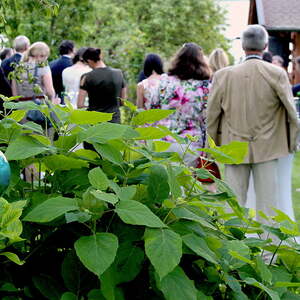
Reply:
x=71, y=81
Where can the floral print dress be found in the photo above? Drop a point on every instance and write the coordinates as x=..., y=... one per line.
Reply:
x=188, y=99
x=151, y=92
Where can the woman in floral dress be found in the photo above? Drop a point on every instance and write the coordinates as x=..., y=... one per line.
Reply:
x=185, y=90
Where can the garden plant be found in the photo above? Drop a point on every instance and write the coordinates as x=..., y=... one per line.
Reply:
x=129, y=220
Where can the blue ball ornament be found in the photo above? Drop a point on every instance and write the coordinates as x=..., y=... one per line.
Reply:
x=5, y=173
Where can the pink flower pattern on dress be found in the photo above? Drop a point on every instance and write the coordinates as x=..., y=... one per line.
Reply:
x=188, y=99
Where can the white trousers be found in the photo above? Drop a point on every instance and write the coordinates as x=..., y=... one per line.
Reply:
x=285, y=165
x=265, y=181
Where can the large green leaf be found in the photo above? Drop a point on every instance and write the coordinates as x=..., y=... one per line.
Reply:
x=128, y=263
x=23, y=105
x=75, y=279
x=124, y=192
x=262, y=270
x=125, y=268
x=13, y=257
x=149, y=133
x=173, y=183
x=89, y=117
x=48, y=286
x=164, y=249
x=95, y=295
x=68, y=296
x=158, y=185
x=24, y=147
x=97, y=252
x=273, y=294
x=199, y=246
x=98, y=179
x=108, y=285
x=232, y=153
x=150, y=116
x=237, y=254
x=51, y=209
x=66, y=142
x=62, y=162
x=110, y=153
x=33, y=127
x=184, y=213
x=101, y=133
x=127, y=192
x=233, y=283
x=136, y=213
x=107, y=197
x=17, y=115
x=177, y=286
x=9, y=131
x=202, y=296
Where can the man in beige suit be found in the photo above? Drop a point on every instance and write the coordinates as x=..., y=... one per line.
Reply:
x=253, y=102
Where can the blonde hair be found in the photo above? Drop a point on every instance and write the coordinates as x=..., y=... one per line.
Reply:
x=37, y=48
x=218, y=59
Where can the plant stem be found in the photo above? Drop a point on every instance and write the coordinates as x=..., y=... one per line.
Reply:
x=260, y=293
x=110, y=221
x=273, y=256
x=39, y=174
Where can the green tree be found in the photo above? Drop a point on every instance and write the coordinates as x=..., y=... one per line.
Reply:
x=46, y=20
x=124, y=30
x=127, y=30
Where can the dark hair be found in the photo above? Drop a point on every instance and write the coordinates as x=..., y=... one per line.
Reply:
x=4, y=53
x=66, y=47
x=267, y=56
x=78, y=55
x=92, y=54
x=152, y=63
x=189, y=63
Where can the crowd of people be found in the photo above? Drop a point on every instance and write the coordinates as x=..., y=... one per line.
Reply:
x=251, y=101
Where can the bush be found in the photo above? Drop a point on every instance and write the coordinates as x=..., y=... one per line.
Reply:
x=129, y=220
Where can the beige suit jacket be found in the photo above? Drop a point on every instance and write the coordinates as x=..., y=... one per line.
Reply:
x=253, y=102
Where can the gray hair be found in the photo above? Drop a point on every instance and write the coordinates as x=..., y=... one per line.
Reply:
x=21, y=43
x=254, y=38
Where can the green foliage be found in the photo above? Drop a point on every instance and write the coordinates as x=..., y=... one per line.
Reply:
x=51, y=209
x=159, y=244
x=97, y=251
x=125, y=30
x=46, y=20
x=130, y=221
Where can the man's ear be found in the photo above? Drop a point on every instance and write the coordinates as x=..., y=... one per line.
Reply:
x=266, y=46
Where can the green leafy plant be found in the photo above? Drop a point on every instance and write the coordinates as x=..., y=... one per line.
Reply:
x=129, y=220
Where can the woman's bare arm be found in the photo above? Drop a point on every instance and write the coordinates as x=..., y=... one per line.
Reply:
x=48, y=86
x=140, y=95
x=81, y=98
x=14, y=87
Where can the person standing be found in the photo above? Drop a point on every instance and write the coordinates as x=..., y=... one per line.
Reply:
x=148, y=89
x=103, y=85
x=66, y=50
x=218, y=59
x=252, y=102
x=296, y=87
x=5, y=90
x=21, y=44
x=6, y=53
x=71, y=76
x=36, y=72
x=185, y=89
